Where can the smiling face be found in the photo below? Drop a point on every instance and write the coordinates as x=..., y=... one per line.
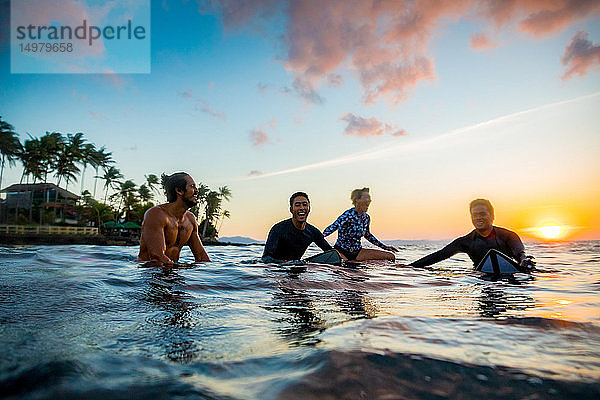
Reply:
x=300, y=209
x=190, y=196
x=482, y=219
x=362, y=203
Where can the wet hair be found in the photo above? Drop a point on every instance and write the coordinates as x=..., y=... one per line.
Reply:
x=482, y=202
x=357, y=194
x=172, y=182
x=298, y=194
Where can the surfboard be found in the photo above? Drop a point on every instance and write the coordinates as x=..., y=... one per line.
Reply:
x=498, y=263
x=331, y=257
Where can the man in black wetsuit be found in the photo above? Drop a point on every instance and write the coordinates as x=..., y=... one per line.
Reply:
x=289, y=239
x=484, y=237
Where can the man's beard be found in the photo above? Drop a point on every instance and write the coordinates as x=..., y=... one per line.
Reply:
x=190, y=203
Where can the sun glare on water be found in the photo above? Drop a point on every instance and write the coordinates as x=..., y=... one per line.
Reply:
x=551, y=232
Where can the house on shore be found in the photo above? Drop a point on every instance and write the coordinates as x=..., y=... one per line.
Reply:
x=42, y=203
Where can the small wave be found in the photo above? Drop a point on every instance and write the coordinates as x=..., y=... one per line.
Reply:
x=366, y=375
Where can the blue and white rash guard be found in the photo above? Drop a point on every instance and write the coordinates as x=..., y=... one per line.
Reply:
x=351, y=227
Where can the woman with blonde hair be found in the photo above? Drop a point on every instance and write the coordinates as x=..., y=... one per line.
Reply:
x=352, y=225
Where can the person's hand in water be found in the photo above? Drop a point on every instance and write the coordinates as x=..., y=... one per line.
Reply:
x=527, y=262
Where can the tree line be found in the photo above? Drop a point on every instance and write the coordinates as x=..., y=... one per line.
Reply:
x=65, y=159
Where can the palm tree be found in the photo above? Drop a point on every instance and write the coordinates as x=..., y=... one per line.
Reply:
x=111, y=177
x=145, y=194
x=126, y=195
x=51, y=144
x=69, y=156
x=225, y=214
x=212, y=210
x=10, y=146
x=32, y=159
x=88, y=157
x=152, y=181
x=102, y=160
x=50, y=148
x=224, y=194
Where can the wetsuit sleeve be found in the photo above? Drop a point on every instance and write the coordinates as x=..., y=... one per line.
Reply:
x=447, y=252
x=272, y=241
x=369, y=236
x=516, y=246
x=320, y=241
x=338, y=222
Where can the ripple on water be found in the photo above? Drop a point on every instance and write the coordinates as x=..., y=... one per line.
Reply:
x=90, y=322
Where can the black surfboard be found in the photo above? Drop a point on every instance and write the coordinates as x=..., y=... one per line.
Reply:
x=498, y=263
x=331, y=257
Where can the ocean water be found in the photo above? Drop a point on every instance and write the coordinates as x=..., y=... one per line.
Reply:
x=89, y=322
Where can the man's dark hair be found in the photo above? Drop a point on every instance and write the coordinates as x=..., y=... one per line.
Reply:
x=482, y=202
x=172, y=182
x=298, y=194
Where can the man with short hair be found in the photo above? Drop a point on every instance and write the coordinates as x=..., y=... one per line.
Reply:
x=168, y=227
x=484, y=237
x=289, y=239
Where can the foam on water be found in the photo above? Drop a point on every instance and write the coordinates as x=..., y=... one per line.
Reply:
x=87, y=321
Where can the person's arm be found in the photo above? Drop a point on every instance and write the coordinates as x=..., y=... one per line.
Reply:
x=320, y=241
x=153, y=232
x=271, y=245
x=518, y=251
x=446, y=252
x=338, y=222
x=195, y=243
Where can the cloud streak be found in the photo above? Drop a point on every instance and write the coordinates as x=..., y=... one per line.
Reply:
x=389, y=151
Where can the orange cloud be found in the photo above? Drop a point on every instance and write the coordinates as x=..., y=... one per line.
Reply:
x=580, y=55
x=363, y=127
x=387, y=43
x=481, y=41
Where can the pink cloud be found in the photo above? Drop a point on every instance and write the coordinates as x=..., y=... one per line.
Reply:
x=262, y=88
x=255, y=172
x=335, y=80
x=201, y=104
x=580, y=55
x=258, y=137
x=113, y=78
x=186, y=94
x=363, y=127
x=387, y=43
x=481, y=41
x=553, y=16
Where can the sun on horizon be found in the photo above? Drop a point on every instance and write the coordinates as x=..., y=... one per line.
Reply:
x=551, y=232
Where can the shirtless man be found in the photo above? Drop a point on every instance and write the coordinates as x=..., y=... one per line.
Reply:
x=169, y=227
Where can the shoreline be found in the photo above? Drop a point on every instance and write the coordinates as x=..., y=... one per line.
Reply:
x=34, y=239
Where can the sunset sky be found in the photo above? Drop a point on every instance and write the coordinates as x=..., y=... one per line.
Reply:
x=430, y=104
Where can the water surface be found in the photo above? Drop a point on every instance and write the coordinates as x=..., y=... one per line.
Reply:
x=87, y=321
